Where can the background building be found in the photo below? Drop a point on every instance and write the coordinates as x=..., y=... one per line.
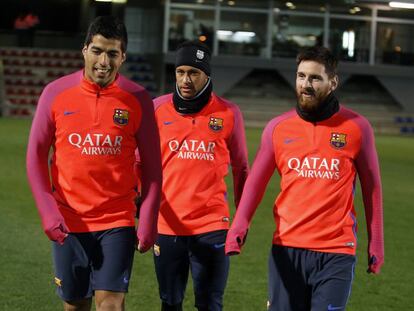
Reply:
x=254, y=44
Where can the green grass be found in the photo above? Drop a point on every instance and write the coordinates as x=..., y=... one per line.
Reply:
x=26, y=274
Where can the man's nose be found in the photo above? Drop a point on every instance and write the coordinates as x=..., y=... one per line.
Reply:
x=307, y=83
x=103, y=59
x=187, y=78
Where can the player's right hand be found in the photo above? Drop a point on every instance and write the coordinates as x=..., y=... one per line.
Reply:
x=57, y=232
x=374, y=264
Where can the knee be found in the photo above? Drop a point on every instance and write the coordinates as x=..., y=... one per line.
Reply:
x=110, y=303
x=78, y=305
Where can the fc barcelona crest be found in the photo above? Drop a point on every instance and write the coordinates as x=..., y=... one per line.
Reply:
x=216, y=124
x=121, y=116
x=200, y=54
x=338, y=140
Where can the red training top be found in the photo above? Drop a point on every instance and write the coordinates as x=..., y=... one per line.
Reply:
x=318, y=163
x=196, y=152
x=93, y=133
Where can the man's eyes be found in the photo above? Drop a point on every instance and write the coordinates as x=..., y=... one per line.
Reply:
x=110, y=54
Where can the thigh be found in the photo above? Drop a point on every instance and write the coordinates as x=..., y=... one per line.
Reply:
x=171, y=267
x=72, y=267
x=209, y=269
x=112, y=259
x=288, y=289
x=332, y=283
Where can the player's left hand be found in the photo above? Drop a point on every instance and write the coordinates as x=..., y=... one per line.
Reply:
x=142, y=248
x=374, y=264
x=235, y=240
x=139, y=247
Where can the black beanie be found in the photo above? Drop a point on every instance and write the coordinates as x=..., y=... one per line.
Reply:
x=195, y=54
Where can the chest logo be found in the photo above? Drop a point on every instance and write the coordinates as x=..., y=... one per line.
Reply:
x=216, y=124
x=338, y=140
x=121, y=116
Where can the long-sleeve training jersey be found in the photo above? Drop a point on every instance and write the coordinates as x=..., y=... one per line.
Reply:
x=318, y=163
x=93, y=133
x=196, y=152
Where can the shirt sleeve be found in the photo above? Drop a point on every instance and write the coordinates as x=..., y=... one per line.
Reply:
x=238, y=155
x=148, y=142
x=369, y=175
x=40, y=140
x=261, y=172
x=137, y=170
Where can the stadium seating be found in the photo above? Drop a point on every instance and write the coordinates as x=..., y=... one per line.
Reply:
x=27, y=71
x=405, y=123
x=263, y=94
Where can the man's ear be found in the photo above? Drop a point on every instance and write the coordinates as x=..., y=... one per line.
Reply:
x=123, y=57
x=334, y=83
x=84, y=49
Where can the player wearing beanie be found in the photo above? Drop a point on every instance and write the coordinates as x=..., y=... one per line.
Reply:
x=201, y=135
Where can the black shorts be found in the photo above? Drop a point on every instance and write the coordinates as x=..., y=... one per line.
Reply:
x=90, y=261
x=204, y=254
x=304, y=280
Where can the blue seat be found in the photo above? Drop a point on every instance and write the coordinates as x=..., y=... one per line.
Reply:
x=404, y=130
x=399, y=119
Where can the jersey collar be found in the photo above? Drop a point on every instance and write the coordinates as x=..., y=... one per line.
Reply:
x=92, y=87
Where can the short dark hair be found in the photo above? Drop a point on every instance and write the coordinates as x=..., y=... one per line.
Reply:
x=109, y=27
x=320, y=55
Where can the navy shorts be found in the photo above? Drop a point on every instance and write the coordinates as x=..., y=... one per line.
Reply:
x=204, y=254
x=303, y=280
x=90, y=261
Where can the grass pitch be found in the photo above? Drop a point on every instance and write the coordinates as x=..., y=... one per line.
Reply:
x=26, y=274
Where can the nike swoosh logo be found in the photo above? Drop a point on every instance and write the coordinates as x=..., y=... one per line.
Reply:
x=67, y=113
x=168, y=122
x=219, y=245
x=290, y=140
x=126, y=280
x=332, y=308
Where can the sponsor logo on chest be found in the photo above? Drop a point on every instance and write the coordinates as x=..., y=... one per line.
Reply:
x=315, y=167
x=193, y=149
x=96, y=143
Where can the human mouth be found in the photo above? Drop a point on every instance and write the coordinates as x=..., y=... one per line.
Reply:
x=308, y=94
x=102, y=70
x=186, y=89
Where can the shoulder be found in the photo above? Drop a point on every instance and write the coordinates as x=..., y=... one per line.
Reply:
x=136, y=91
x=229, y=106
x=56, y=90
x=161, y=100
x=64, y=83
x=280, y=119
x=130, y=86
x=225, y=102
x=272, y=125
x=360, y=121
